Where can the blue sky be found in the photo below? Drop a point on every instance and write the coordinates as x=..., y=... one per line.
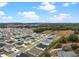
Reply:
x=39, y=12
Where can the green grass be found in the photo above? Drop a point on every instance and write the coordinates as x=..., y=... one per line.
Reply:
x=53, y=43
x=27, y=44
x=7, y=53
x=33, y=40
x=30, y=55
x=19, y=47
x=1, y=41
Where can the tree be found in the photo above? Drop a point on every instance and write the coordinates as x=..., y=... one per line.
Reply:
x=47, y=54
x=66, y=47
x=74, y=46
x=63, y=40
x=76, y=32
x=77, y=51
x=73, y=38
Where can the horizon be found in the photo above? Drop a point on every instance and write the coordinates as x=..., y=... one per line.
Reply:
x=37, y=22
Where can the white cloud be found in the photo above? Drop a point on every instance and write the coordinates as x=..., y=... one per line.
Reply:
x=53, y=2
x=53, y=11
x=6, y=17
x=2, y=4
x=73, y=3
x=47, y=6
x=2, y=13
x=61, y=17
x=29, y=15
x=69, y=3
x=3, y=16
x=66, y=4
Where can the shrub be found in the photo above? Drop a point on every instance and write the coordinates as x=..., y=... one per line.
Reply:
x=63, y=40
x=74, y=46
x=77, y=51
x=66, y=47
x=47, y=54
x=73, y=38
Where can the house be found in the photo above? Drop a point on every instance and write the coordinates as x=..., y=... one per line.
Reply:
x=2, y=39
x=27, y=41
x=11, y=42
x=49, y=39
x=9, y=48
x=42, y=46
x=19, y=43
x=2, y=45
x=66, y=53
x=1, y=52
x=52, y=36
x=46, y=42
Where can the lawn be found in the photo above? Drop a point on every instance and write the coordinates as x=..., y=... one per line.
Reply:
x=1, y=41
x=19, y=47
x=54, y=43
x=7, y=53
x=33, y=40
x=27, y=44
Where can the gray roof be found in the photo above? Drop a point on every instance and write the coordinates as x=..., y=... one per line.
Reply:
x=8, y=46
x=66, y=53
x=35, y=51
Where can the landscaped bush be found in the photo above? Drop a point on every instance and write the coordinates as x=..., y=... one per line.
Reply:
x=66, y=47
x=63, y=40
x=73, y=38
x=77, y=51
x=47, y=54
x=74, y=46
x=76, y=32
x=58, y=46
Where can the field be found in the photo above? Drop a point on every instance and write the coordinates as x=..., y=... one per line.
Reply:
x=60, y=32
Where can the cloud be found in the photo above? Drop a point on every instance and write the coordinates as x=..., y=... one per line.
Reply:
x=73, y=3
x=53, y=11
x=29, y=15
x=66, y=4
x=69, y=3
x=47, y=6
x=3, y=16
x=2, y=4
x=2, y=13
x=53, y=2
x=60, y=17
x=6, y=17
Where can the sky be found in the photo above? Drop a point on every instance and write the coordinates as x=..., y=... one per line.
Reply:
x=39, y=12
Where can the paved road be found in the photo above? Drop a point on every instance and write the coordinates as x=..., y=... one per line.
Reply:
x=29, y=47
x=56, y=49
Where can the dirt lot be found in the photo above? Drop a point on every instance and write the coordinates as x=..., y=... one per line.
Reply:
x=60, y=32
